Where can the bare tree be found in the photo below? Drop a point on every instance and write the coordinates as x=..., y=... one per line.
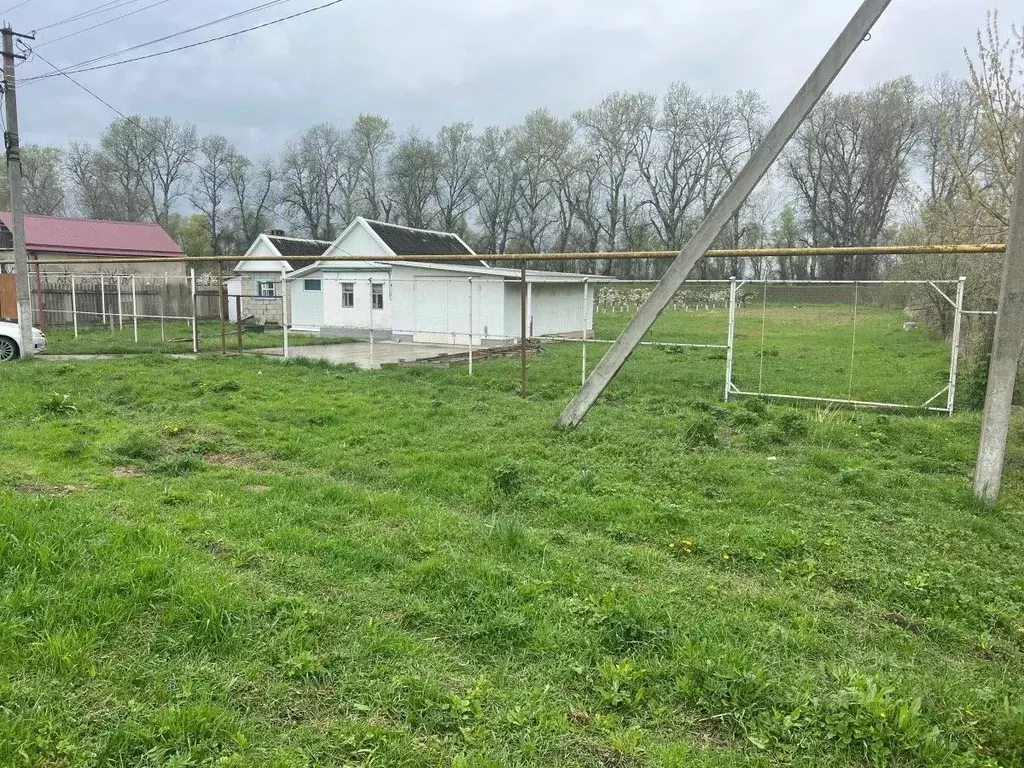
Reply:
x=496, y=188
x=42, y=181
x=172, y=150
x=255, y=191
x=312, y=180
x=542, y=143
x=614, y=129
x=412, y=182
x=371, y=138
x=456, y=176
x=848, y=163
x=211, y=191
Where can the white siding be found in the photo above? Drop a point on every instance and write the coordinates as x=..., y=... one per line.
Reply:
x=557, y=309
x=361, y=316
x=307, y=307
x=433, y=306
x=262, y=247
x=357, y=242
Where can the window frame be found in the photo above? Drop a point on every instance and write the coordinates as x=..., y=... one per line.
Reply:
x=348, y=295
x=377, y=296
x=319, y=285
x=261, y=293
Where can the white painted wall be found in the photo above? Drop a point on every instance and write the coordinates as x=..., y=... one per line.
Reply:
x=433, y=306
x=361, y=316
x=356, y=241
x=262, y=247
x=558, y=309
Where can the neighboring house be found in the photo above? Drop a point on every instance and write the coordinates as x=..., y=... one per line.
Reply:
x=55, y=237
x=259, y=282
x=431, y=302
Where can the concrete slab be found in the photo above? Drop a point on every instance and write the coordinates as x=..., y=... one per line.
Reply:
x=359, y=354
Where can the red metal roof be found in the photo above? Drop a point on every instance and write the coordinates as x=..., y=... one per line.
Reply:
x=54, y=234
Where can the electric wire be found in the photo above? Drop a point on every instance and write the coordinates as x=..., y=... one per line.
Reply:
x=110, y=5
x=238, y=14
x=15, y=7
x=103, y=23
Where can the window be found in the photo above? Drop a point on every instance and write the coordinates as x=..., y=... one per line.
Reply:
x=311, y=285
x=348, y=295
x=378, y=296
x=266, y=289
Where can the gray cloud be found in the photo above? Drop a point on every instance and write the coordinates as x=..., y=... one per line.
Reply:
x=423, y=64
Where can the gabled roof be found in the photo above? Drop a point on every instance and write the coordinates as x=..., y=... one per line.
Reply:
x=294, y=249
x=55, y=234
x=406, y=241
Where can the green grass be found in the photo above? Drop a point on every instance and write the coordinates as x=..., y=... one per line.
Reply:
x=176, y=338
x=244, y=562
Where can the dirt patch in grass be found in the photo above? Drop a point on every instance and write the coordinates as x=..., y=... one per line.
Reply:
x=127, y=472
x=46, y=489
x=233, y=460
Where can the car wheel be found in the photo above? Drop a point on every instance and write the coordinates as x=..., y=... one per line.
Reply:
x=8, y=349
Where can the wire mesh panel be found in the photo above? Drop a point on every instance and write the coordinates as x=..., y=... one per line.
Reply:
x=869, y=343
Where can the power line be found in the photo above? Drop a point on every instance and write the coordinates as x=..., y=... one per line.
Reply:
x=73, y=70
x=222, y=19
x=110, y=5
x=57, y=70
x=104, y=23
x=15, y=7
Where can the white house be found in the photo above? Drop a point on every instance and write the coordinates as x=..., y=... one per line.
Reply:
x=431, y=302
x=259, y=282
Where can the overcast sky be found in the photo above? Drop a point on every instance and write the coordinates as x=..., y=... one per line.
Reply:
x=485, y=61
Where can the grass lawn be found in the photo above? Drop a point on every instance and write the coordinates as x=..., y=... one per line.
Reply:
x=254, y=563
x=177, y=338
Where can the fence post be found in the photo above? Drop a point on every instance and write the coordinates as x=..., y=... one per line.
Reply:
x=522, y=328
x=163, y=310
x=370, y=283
x=221, y=308
x=732, y=336
x=238, y=320
x=586, y=307
x=103, y=300
x=471, y=326
x=120, y=308
x=74, y=305
x=954, y=362
x=195, y=312
x=135, y=312
x=284, y=310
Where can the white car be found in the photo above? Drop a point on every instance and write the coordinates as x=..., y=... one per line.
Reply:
x=10, y=341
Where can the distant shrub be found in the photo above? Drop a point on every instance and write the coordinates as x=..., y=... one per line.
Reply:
x=793, y=424
x=756, y=405
x=767, y=435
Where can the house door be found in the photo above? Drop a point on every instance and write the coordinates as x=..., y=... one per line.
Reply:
x=8, y=297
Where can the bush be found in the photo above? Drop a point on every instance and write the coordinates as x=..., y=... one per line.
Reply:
x=701, y=431
x=508, y=478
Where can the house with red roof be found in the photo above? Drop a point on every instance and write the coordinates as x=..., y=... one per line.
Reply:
x=79, y=240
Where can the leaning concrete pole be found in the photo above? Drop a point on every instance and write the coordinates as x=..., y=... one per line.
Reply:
x=1007, y=347
x=758, y=164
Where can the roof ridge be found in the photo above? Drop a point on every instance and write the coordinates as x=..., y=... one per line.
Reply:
x=97, y=221
x=412, y=229
x=298, y=239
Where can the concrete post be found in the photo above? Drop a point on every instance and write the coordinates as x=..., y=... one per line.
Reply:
x=1007, y=347
x=25, y=341
x=195, y=312
x=726, y=207
x=135, y=312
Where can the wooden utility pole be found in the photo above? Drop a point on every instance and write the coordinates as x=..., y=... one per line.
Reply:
x=728, y=204
x=1007, y=347
x=17, y=202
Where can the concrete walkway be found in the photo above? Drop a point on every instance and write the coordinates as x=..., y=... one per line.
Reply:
x=358, y=354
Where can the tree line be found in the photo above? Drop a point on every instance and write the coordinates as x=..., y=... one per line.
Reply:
x=903, y=161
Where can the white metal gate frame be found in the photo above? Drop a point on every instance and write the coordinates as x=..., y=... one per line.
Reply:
x=949, y=390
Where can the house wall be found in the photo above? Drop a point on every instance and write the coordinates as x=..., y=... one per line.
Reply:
x=259, y=310
x=554, y=309
x=557, y=309
x=357, y=242
x=323, y=311
x=434, y=306
x=155, y=267
x=261, y=247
